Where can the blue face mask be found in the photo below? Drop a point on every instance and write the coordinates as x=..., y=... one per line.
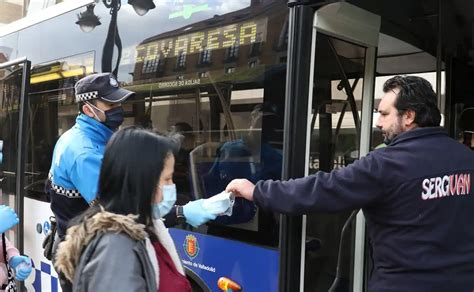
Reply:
x=113, y=117
x=169, y=198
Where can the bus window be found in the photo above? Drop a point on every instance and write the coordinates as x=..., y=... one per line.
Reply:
x=51, y=112
x=220, y=84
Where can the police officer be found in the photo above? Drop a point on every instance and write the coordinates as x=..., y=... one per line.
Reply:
x=416, y=195
x=77, y=156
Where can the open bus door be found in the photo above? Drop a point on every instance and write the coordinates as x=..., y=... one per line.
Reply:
x=14, y=90
x=339, y=119
x=335, y=90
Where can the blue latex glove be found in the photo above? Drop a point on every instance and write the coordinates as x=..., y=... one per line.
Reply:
x=22, y=267
x=8, y=218
x=196, y=214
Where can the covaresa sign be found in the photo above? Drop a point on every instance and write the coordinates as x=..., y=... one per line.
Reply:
x=243, y=33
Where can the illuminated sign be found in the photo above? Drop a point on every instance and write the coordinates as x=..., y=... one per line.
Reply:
x=243, y=33
x=188, y=10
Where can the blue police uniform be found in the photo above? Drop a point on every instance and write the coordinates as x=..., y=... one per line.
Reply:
x=417, y=197
x=74, y=173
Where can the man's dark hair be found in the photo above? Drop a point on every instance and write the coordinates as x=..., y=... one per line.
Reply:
x=133, y=161
x=415, y=94
x=82, y=103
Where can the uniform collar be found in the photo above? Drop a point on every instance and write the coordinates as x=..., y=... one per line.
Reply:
x=418, y=133
x=94, y=128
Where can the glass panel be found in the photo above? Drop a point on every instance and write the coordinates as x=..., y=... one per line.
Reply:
x=10, y=92
x=52, y=111
x=230, y=114
x=335, y=135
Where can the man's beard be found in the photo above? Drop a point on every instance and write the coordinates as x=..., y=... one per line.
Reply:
x=393, y=132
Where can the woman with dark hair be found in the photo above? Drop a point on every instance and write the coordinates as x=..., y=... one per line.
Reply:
x=121, y=244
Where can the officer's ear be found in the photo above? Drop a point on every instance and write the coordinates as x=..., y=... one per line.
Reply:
x=87, y=110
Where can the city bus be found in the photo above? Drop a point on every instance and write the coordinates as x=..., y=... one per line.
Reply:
x=257, y=89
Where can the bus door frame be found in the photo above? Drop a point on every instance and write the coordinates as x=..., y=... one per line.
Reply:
x=21, y=152
x=349, y=23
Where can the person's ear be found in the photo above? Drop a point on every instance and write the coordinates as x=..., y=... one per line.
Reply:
x=87, y=110
x=410, y=116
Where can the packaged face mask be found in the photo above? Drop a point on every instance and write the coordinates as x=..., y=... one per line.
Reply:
x=220, y=204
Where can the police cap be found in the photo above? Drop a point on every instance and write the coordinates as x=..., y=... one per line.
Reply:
x=101, y=85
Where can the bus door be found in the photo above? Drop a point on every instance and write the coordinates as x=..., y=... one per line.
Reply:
x=339, y=126
x=14, y=88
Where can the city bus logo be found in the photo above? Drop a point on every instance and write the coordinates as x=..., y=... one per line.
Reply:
x=191, y=246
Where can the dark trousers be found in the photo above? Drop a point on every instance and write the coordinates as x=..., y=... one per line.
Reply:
x=66, y=285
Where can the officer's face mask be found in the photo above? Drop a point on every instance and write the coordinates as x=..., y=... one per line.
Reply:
x=113, y=117
x=169, y=199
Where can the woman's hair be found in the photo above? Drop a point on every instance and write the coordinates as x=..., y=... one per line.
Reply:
x=131, y=168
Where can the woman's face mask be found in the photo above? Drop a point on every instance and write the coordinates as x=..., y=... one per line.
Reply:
x=113, y=117
x=169, y=199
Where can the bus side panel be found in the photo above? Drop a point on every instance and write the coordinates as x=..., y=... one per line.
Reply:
x=253, y=268
x=37, y=225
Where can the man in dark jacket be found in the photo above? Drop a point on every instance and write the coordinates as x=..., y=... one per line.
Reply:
x=416, y=195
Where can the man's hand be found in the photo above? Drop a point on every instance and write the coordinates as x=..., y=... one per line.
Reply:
x=8, y=218
x=196, y=214
x=241, y=188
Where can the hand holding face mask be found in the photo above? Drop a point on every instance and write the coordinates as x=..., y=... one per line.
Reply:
x=220, y=204
x=196, y=214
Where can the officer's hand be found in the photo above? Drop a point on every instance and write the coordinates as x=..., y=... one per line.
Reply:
x=22, y=267
x=241, y=188
x=196, y=214
x=8, y=218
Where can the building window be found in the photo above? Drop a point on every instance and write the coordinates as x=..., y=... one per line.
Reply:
x=205, y=57
x=229, y=70
x=202, y=74
x=181, y=60
x=232, y=52
x=150, y=66
x=153, y=65
x=256, y=47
